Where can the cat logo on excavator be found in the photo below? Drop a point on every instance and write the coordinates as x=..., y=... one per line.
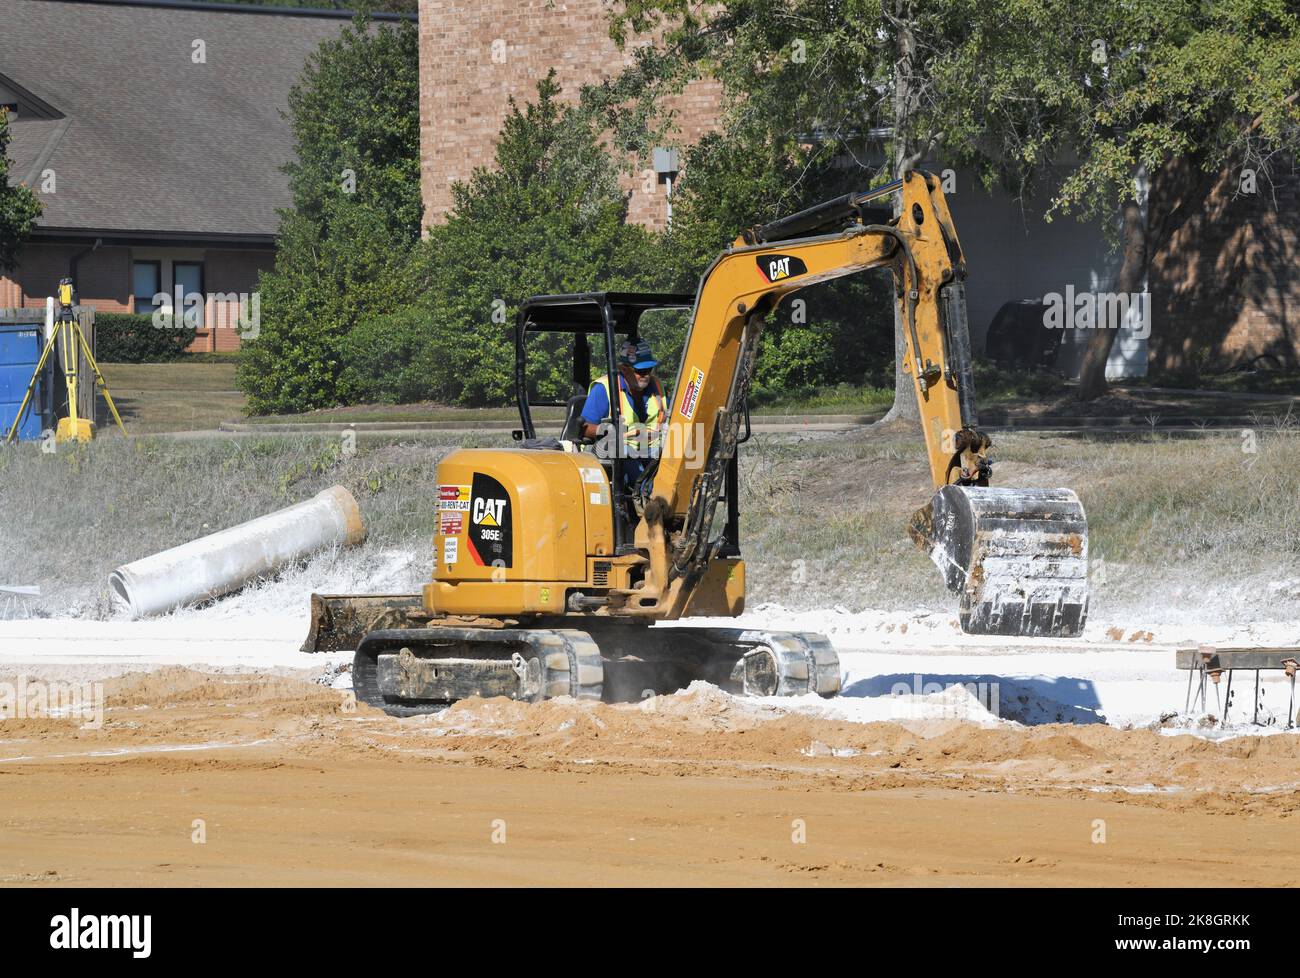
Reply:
x=487, y=512
x=774, y=268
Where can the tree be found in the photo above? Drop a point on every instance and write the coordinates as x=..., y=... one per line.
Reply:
x=1131, y=91
x=345, y=248
x=547, y=217
x=1217, y=86
x=814, y=83
x=835, y=332
x=1004, y=86
x=19, y=207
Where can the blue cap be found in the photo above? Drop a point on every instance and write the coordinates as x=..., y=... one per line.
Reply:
x=637, y=355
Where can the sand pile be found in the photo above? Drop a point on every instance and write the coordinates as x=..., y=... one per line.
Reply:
x=700, y=730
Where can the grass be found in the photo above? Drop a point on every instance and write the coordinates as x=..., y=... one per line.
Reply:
x=181, y=376
x=869, y=401
x=1286, y=382
x=1184, y=527
x=200, y=393
x=1188, y=526
x=182, y=396
x=419, y=413
x=113, y=501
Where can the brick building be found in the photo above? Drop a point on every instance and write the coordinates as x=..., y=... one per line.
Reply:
x=158, y=166
x=475, y=56
x=1225, y=289
x=1225, y=285
x=152, y=132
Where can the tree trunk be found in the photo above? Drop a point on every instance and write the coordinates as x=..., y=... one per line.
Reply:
x=904, y=405
x=1132, y=271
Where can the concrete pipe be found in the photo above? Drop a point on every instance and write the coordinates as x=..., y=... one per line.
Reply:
x=225, y=561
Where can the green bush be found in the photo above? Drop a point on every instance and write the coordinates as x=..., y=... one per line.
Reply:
x=547, y=217
x=19, y=207
x=795, y=356
x=347, y=242
x=393, y=358
x=133, y=338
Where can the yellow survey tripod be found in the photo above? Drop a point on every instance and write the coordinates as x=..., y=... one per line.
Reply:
x=67, y=330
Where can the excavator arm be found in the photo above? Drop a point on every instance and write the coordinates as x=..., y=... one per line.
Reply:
x=1017, y=557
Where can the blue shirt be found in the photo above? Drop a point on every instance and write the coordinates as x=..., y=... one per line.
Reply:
x=597, y=407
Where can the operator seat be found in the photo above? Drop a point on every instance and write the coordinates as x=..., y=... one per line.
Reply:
x=572, y=428
x=573, y=418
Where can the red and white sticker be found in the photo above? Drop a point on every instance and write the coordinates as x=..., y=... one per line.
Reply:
x=691, y=395
x=451, y=523
x=453, y=498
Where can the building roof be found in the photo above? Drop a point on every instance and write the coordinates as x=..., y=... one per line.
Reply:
x=143, y=141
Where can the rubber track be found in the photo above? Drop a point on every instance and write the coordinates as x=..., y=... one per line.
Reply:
x=806, y=661
x=569, y=659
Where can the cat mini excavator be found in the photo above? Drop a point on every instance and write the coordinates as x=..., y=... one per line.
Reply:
x=554, y=576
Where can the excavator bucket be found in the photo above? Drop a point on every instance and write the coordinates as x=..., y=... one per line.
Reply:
x=1018, y=558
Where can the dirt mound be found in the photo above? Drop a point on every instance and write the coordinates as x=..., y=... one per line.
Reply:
x=704, y=727
x=173, y=686
x=292, y=781
x=168, y=714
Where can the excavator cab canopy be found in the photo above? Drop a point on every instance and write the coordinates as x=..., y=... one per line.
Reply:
x=614, y=316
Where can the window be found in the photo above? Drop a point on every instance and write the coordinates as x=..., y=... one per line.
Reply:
x=189, y=281
x=146, y=276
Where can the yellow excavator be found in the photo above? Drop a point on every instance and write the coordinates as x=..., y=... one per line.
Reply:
x=557, y=576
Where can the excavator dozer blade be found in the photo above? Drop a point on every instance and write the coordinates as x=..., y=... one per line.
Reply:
x=340, y=621
x=1018, y=558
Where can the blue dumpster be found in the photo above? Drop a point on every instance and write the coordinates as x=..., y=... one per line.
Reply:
x=20, y=350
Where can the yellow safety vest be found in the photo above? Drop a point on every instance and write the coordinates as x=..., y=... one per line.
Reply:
x=655, y=411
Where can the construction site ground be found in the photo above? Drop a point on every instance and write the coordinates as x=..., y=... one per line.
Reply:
x=225, y=757
x=207, y=750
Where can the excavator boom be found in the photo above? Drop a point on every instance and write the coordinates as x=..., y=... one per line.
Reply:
x=1016, y=557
